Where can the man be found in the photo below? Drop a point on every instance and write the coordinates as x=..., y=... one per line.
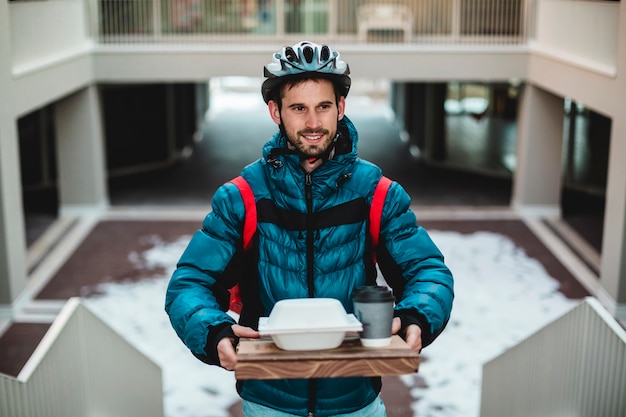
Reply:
x=312, y=194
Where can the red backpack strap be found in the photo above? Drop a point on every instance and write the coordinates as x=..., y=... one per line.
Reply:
x=249, y=228
x=376, y=211
x=249, y=225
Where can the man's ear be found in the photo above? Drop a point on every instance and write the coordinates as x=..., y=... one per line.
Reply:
x=272, y=106
x=341, y=106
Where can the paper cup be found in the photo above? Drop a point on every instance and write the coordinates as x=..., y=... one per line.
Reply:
x=373, y=306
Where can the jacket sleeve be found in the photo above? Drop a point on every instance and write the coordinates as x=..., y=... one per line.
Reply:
x=414, y=267
x=192, y=299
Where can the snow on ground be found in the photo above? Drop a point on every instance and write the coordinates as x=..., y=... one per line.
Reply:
x=502, y=296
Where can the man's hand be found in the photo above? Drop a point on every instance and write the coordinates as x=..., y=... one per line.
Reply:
x=226, y=347
x=412, y=335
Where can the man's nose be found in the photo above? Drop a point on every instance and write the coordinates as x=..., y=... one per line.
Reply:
x=312, y=121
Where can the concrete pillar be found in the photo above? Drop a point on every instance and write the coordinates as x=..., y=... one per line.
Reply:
x=538, y=174
x=397, y=101
x=425, y=118
x=415, y=115
x=80, y=152
x=613, y=262
x=12, y=232
x=435, y=118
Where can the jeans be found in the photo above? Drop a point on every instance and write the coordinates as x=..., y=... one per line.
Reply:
x=375, y=409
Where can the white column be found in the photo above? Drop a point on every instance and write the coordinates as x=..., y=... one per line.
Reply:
x=613, y=263
x=12, y=230
x=80, y=153
x=537, y=179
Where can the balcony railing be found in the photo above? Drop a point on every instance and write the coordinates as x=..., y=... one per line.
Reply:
x=44, y=33
x=438, y=22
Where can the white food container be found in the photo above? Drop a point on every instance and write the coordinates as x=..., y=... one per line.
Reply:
x=308, y=324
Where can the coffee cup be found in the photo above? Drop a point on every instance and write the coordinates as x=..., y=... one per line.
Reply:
x=373, y=307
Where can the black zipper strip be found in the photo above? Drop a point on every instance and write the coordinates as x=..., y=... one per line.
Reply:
x=312, y=396
x=310, y=237
x=310, y=240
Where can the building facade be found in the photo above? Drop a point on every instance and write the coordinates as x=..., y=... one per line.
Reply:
x=63, y=62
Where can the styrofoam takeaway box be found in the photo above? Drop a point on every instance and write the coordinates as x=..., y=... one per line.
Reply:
x=308, y=324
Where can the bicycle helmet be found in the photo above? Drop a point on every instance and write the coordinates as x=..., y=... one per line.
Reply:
x=305, y=57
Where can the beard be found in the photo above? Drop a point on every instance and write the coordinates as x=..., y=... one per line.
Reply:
x=311, y=149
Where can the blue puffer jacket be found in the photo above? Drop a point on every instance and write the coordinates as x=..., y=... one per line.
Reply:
x=312, y=241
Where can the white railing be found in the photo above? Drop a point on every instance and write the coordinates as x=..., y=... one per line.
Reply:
x=227, y=21
x=575, y=366
x=83, y=368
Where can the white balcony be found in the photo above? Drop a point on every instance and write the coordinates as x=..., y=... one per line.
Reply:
x=45, y=33
x=215, y=21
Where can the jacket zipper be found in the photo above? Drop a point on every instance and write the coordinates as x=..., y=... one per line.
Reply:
x=312, y=396
x=310, y=240
x=310, y=237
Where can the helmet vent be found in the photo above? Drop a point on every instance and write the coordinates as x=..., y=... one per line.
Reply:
x=325, y=55
x=290, y=54
x=308, y=54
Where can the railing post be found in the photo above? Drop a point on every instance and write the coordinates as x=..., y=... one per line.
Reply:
x=156, y=19
x=528, y=20
x=280, y=17
x=94, y=25
x=456, y=20
x=333, y=17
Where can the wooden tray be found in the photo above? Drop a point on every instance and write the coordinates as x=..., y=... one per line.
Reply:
x=262, y=359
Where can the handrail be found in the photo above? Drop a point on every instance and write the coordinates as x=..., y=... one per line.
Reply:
x=575, y=366
x=81, y=368
x=475, y=22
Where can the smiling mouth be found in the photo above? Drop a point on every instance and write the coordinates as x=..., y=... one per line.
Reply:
x=313, y=136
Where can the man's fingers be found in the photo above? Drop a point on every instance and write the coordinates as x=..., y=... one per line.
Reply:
x=395, y=325
x=226, y=353
x=226, y=349
x=414, y=337
x=243, y=331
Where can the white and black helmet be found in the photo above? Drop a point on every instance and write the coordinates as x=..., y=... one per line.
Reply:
x=305, y=57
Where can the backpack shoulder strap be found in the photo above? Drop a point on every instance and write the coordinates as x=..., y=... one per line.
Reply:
x=249, y=229
x=376, y=211
x=249, y=225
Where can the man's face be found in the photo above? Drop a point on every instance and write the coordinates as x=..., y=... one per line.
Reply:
x=309, y=115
